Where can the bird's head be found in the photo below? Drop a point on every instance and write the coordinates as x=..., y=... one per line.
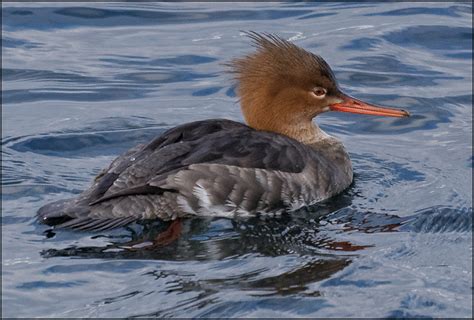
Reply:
x=282, y=86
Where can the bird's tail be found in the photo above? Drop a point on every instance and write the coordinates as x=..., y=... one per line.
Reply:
x=61, y=211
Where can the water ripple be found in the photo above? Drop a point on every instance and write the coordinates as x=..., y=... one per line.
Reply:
x=431, y=38
x=51, y=18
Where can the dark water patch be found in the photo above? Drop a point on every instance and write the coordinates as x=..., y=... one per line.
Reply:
x=389, y=63
x=90, y=85
x=124, y=86
x=86, y=144
x=20, y=12
x=183, y=60
x=450, y=12
x=77, y=94
x=117, y=123
x=316, y=15
x=6, y=220
x=460, y=55
x=364, y=43
x=460, y=99
x=403, y=314
x=206, y=92
x=73, y=17
x=432, y=38
x=162, y=77
x=46, y=75
x=349, y=6
x=9, y=42
x=340, y=281
x=109, y=266
x=13, y=192
x=391, y=80
x=231, y=92
x=41, y=285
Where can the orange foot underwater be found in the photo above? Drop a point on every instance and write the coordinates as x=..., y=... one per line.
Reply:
x=164, y=238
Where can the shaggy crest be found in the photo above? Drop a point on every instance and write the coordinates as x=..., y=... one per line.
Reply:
x=278, y=60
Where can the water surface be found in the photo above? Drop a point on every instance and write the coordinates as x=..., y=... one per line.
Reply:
x=84, y=82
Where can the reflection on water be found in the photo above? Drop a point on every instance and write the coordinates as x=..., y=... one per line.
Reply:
x=82, y=83
x=304, y=233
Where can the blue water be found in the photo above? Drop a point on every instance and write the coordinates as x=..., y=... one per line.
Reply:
x=84, y=82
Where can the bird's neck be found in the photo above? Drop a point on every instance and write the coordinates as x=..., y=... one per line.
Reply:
x=280, y=117
x=310, y=134
x=306, y=132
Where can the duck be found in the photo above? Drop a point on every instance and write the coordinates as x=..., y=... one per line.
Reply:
x=278, y=161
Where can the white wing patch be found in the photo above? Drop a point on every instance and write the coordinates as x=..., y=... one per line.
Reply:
x=203, y=196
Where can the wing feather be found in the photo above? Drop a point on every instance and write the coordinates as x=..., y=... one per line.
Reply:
x=144, y=169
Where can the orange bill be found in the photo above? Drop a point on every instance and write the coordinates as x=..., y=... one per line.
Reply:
x=353, y=105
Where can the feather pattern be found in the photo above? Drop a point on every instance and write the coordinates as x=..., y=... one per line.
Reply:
x=213, y=167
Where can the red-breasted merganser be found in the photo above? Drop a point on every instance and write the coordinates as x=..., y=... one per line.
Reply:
x=281, y=160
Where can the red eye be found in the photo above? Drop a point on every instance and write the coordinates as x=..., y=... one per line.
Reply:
x=319, y=92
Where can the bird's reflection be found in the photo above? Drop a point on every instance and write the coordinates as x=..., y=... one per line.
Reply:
x=297, y=280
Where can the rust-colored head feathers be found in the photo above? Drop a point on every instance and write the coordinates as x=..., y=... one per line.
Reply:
x=282, y=87
x=280, y=60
